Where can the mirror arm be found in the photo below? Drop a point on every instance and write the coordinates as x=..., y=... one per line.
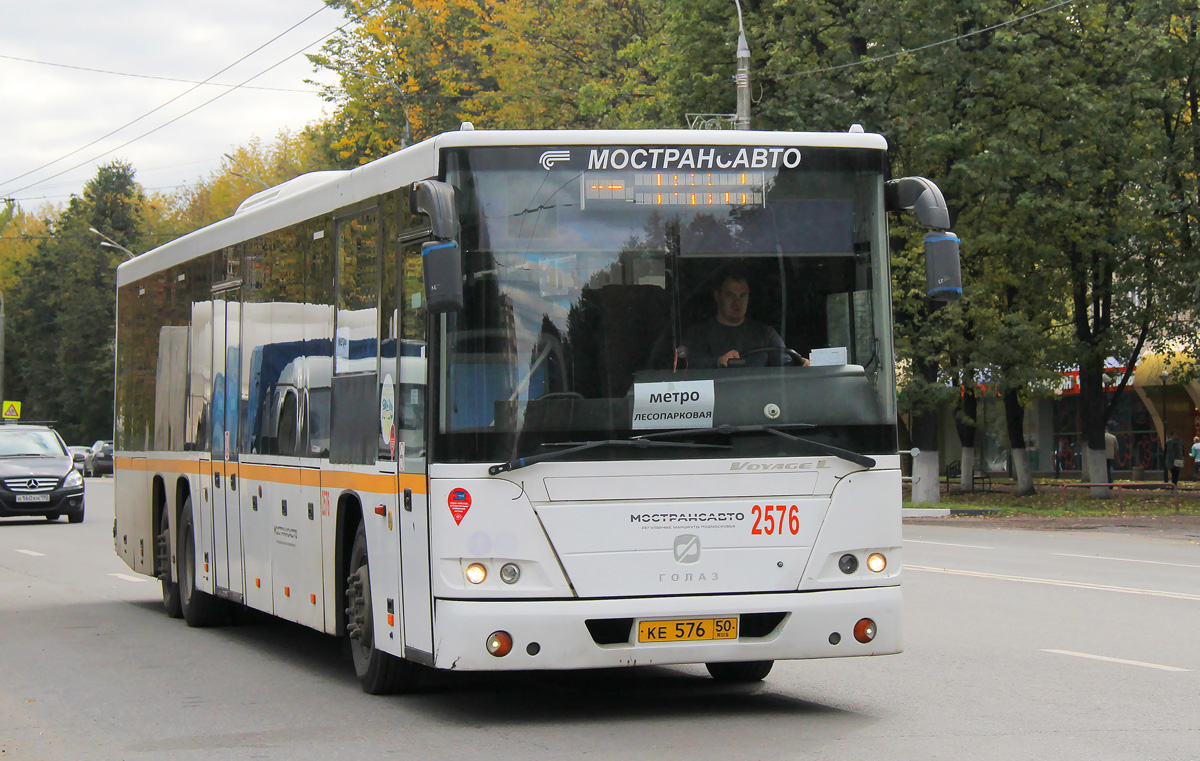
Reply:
x=920, y=195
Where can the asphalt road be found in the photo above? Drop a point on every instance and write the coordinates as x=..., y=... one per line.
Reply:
x=1019, y=645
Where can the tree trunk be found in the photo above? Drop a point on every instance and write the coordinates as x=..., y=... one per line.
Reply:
x=966, y=434
x=925, y=486
x=968, y=468
x=1097, y=469
x=1023, y=473
x=1091, y=394
x=1014, y=422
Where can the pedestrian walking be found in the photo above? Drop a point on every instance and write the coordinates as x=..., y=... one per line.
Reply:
x=1174, y=456
x=1110, y=451
x=1196, y=459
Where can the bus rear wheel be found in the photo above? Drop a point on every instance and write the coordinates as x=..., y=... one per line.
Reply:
x=170, y=589
x=198, y=608
x=379, y=673
x=746, y=671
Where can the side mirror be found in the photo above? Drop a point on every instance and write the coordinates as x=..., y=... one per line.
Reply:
x=943, y=274
x=920, y=195
x=435, y=200
x=442, y=262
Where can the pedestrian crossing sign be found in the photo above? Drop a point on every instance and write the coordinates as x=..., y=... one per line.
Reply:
x=12, y=410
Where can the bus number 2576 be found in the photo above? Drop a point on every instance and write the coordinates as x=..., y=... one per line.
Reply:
x=775, y=519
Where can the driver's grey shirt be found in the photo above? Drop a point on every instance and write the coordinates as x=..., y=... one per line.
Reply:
x=708, y=340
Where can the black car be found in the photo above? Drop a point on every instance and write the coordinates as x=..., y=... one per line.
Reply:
x=100, y=460
x=38, y=475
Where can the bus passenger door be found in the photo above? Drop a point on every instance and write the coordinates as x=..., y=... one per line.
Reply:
x=409, y=437
x=227, y=524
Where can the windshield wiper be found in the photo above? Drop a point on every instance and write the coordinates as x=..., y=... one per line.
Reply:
x=572, y=447
x=778, y=430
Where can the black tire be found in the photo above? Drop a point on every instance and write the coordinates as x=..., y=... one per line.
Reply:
x=75, y=516
x=198, y=608
x=746, y=671
x=170, y=589
x=379, y=673
x=52, y=517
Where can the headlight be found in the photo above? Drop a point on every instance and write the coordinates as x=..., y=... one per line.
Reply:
x=476, y=573
x=73, y=479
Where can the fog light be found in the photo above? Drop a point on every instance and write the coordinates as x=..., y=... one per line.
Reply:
x=476, y=573
x=876, y=562
x=499, y=644
x=848, y=563
x=509, y=573
x=864, y=630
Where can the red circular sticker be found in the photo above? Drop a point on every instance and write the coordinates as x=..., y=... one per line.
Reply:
x=459, y=502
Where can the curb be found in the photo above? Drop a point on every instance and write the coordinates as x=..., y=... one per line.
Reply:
x=945, y=512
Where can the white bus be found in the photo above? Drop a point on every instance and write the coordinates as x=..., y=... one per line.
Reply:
x=443, y=405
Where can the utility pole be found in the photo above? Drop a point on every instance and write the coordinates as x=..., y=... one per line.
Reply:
x=742, y=118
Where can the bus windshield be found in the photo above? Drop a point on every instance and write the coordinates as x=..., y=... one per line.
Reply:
x=602, y=291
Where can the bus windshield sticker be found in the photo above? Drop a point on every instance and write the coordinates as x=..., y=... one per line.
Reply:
x=683, y=404
x=460, y=502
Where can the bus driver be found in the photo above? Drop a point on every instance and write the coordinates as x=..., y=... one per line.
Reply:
x=729, y=334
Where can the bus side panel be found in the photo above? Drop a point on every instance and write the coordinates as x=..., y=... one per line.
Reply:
x=294, y=522
x=414, y=567
x=863, y=517
x=202, y=525
x=375, y=492
x=259, y=495
x=134, y=540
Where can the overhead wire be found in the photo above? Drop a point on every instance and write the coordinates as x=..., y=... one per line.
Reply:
x=939, y=43
x=150, y=76
x=172, y=100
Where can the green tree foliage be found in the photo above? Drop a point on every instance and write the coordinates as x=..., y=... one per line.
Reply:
x=587, y=64
x=249, y=169
x=411, y=64
x=60, y=328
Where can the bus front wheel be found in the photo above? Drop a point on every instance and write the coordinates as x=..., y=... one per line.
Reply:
x=378, y=672
x=746, y=671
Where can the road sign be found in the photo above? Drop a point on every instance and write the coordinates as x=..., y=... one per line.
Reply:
x=12, y=410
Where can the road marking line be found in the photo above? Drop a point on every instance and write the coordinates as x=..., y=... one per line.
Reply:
x=1127, y=560
x=31, y=552
x=129, y=578
x=1058, y=583
x=1115, y=660
x=947, y=544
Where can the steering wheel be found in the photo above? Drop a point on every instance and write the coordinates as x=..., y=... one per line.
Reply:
x=791, y=354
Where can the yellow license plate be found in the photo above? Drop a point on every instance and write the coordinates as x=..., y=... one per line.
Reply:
x=687, y=630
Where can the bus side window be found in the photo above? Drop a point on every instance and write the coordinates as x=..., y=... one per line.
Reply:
x=411, y=389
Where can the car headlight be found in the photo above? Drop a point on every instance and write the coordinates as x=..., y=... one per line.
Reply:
x=74, y=478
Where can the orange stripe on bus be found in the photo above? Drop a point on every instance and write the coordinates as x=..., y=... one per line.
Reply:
x=383, y=483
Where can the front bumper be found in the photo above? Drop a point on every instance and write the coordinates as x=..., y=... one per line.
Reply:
x=60, y=502
x=564, y=641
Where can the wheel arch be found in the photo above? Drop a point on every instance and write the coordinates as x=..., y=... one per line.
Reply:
x=349, y=516
x=158, y=498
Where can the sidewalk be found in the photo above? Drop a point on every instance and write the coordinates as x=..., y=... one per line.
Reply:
x=1176, y=527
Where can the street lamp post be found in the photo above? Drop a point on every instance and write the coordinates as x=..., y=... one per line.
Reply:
x=1162, y=379
x=110, y=243
x=742, y=78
